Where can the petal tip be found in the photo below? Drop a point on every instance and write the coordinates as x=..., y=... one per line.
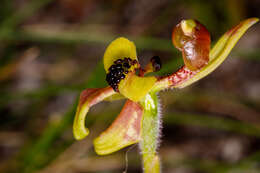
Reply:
x=254, y=20
x=80, y=134
x=79, y=129
x=108, y=146
x=105, y=146
x=99, y=147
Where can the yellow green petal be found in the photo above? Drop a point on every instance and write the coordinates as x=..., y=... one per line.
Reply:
x=119, y=49
x=134, y=87
x=88, y=98
x=124, y=131
x=230, y=38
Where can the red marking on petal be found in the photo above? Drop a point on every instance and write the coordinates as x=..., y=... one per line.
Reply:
x=94, y=95
x=88, y=98
x=233, y=30
x=124, y=131
x=180, y=76
x=85, y=94
x=132, y=107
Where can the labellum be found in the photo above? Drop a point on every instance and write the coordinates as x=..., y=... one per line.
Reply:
x=193, y=39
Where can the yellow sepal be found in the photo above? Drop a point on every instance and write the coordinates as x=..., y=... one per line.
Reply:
x=119, y=49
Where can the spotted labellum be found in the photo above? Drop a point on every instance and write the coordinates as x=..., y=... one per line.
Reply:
x=139, y=120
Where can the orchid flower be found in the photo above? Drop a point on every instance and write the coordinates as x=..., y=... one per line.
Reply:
x=139, y=120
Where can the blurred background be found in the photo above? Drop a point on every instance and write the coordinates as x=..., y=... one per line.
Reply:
x=50, y=50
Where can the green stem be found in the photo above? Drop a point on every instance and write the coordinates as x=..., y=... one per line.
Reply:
x=150, y=134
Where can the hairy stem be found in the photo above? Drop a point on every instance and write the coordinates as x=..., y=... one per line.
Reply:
x=150, y=134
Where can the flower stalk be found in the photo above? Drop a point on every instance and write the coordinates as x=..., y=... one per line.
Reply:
x=150, y=133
